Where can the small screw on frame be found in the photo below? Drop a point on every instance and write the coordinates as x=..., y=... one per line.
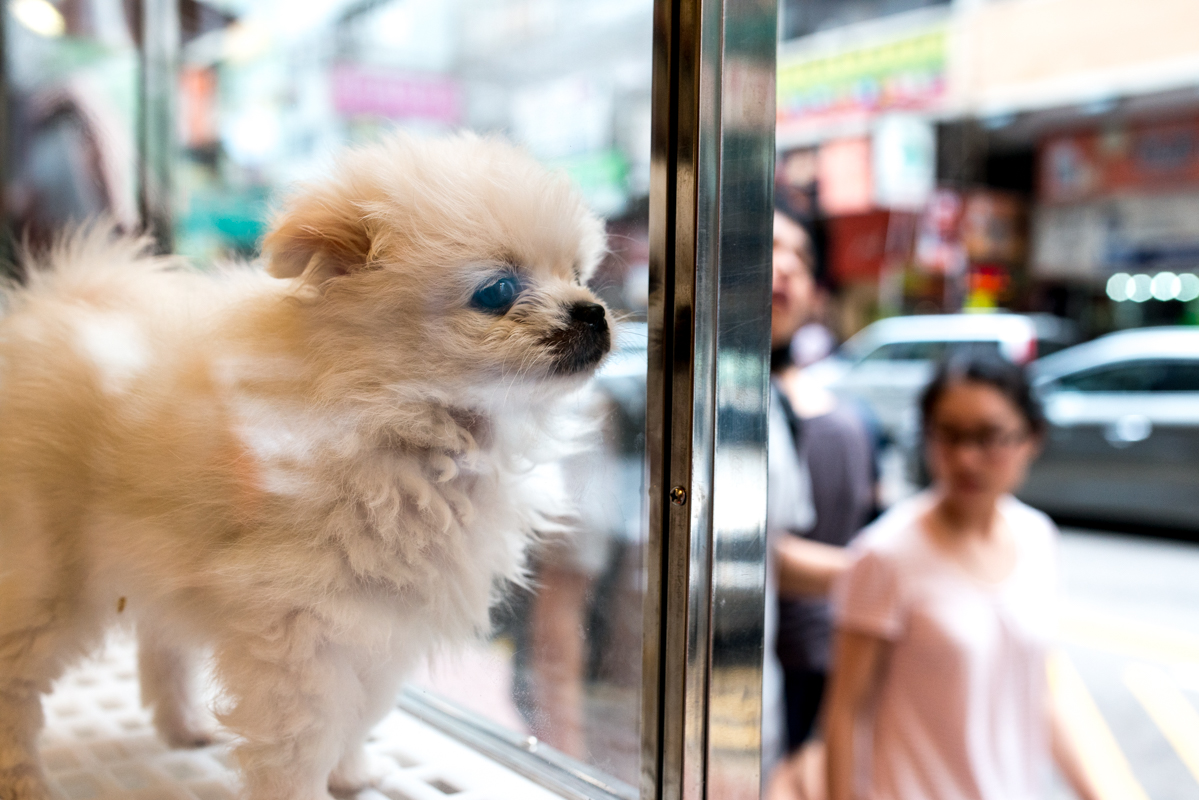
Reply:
x=678, y=495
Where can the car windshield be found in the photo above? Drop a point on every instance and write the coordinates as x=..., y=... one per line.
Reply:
x=1142, y=375
x=929, y=350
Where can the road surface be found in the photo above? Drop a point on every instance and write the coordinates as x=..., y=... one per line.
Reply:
x=1128, y=667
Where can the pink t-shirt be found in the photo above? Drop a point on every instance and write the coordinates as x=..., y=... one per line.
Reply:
x=962, y=709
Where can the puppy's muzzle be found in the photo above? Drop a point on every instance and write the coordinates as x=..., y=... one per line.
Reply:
x=585, y=339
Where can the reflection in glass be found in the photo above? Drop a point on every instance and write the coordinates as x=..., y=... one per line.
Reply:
x=70, y=70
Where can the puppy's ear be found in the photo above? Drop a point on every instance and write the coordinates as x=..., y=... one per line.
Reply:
x=320, y=235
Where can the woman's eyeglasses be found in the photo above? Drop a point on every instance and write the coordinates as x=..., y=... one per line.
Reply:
x=991, y=441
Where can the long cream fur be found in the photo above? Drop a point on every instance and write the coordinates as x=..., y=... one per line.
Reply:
x=320, y=474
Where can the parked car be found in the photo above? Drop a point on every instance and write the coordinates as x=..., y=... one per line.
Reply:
x=887, y=364
x=1123, y=441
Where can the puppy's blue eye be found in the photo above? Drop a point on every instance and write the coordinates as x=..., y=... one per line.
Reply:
x=498, y=296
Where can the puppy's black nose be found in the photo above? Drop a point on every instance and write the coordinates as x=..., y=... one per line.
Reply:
x=584, y=341
x=590, y=314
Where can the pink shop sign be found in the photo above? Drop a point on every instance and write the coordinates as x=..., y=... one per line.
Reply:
x=396, y=95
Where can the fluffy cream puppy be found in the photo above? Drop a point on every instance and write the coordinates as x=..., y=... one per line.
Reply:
x=320, y=474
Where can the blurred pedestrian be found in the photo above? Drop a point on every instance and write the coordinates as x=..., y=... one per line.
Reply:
x=821, y=456
x=945, y=619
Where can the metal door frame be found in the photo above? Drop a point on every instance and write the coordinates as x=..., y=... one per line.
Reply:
x=711, y=200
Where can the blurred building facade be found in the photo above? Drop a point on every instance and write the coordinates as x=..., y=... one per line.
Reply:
x=1037, y=155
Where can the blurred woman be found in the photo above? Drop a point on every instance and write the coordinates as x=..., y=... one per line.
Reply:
x=944, y=621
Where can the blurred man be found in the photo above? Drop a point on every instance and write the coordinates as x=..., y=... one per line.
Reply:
x=833, y=473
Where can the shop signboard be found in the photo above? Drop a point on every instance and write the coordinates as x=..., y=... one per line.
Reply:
x=892, y=170
x=904, y=73
x=939, y=247
x=904, y=159
x=987, y=287
x=396, y=94
x=1134, y=233
x=845, y=177
x=858, y=246
x=1120, y=199
x=1145, y=158
x=993, y=227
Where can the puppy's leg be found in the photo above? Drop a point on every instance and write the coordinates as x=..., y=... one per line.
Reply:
x=20, y=721
x=168, y=678
x=294, y=698
x=355, y=771
x=34, y=648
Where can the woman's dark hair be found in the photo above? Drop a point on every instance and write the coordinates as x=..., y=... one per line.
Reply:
x=990, y=370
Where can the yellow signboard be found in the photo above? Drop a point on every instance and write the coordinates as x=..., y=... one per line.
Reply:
x=904, y=73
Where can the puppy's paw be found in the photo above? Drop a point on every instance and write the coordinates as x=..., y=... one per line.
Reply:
x=22, y=783
x=183, y=733
x=358, y=771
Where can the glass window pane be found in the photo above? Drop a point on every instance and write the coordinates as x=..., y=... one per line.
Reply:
x=264, y=103
x=266, y=96
x=1122, y=378
x=1177, y=376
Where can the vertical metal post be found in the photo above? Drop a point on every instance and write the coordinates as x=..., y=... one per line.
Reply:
x=158, y=59
x=6, y=232
x=710, y=219
x=6, y=222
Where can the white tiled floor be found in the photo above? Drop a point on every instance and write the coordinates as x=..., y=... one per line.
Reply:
x=99, y=745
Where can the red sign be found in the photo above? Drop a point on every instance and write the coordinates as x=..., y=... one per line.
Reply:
x=858, y=246
x=396, y=95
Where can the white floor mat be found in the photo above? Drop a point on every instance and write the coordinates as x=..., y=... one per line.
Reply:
x=99, y=745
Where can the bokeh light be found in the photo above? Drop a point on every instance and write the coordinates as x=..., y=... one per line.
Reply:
x=1188, y=287
x=1118, y=286
x=1142, y=288
x=1163, y=286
